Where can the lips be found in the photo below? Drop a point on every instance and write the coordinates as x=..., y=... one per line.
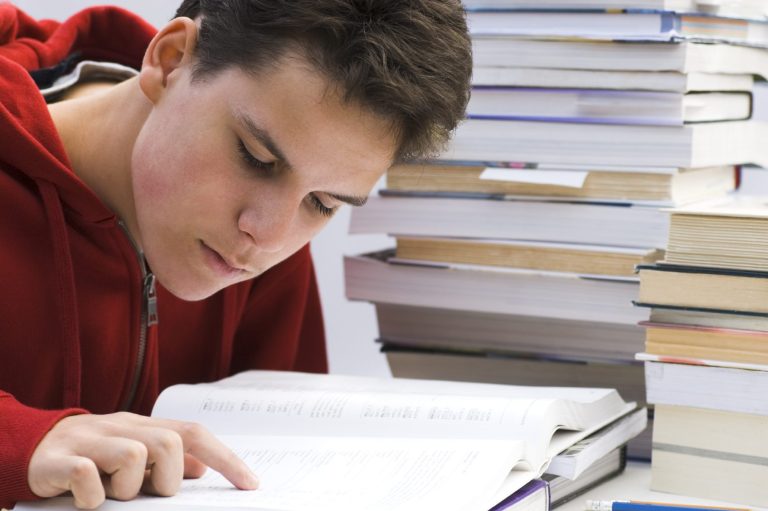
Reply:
x=218, y=263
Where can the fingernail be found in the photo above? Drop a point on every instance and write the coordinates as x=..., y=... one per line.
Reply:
x=251, y=481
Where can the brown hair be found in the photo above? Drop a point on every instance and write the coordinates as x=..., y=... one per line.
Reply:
x=409, y=61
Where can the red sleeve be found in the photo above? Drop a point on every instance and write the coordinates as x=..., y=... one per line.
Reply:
x=282, y=326
x=21, y=430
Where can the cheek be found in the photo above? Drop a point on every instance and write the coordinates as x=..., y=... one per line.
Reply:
x=164, y=174
x=150, y=163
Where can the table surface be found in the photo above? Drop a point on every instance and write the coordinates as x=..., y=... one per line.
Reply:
x=635, y=484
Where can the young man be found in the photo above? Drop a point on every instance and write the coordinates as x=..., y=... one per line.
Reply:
x=249, y=123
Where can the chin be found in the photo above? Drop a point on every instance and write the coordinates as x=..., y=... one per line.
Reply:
x=190, y=292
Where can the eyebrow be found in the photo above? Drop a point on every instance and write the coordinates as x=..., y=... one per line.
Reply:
x=262, y=136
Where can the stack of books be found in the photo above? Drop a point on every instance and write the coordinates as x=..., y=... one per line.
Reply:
x=707, y=353
x=516, y=247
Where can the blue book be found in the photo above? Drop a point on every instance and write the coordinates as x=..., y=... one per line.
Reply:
x=744, y=8
x=532, y=496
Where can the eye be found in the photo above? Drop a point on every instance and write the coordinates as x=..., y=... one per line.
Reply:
x=320, y=207
x=251, y=160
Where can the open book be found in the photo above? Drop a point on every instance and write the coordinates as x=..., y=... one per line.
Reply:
x=328, y=442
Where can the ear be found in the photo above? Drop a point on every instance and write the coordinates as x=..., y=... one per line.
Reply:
x=170, y=50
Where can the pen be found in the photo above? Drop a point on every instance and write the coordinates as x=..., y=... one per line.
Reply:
x=636, y=505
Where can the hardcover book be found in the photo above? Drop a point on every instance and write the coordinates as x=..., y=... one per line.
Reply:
x=563, y=257
x=688, y=146
x=711, y=384
x=711, y=454
x=685, y=57
x=451, y=329
x=376, y=278
x=725, y=344
x=594, y=106
x=700, y=288
x=608, y=224
x=628, y=24
x=672, y=81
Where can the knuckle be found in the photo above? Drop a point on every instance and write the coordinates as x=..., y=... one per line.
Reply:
x=132, y=453
x=81, y=470
x=121, y=416
x=102, y=424
x=193, y=432
x=169, y=442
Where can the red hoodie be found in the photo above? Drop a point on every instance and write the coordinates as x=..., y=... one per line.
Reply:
x=73, y=304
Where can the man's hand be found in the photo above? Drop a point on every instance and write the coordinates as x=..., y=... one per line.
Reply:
x=122, y=454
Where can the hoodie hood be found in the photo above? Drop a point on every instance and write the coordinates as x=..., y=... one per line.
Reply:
x=26, y=45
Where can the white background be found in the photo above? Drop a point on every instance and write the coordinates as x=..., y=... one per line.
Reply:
x=350, y=327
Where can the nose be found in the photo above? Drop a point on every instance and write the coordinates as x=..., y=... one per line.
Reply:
x=269, y=228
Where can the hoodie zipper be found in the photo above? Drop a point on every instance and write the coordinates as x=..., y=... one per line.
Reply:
x=148, y=317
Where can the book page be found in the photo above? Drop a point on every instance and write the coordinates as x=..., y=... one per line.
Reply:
x=333, y=474
x=273, y=403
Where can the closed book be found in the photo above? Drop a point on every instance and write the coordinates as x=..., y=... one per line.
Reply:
x=563, y=490
x=708, y=318
x=726, y=344
x=486, y=289
x=710, y=384
x=625, y=183
x=551, y=490
x=711, y=454
x=672, y=81
x=573, y=462
x=730, y=233
x=746, y=8
x=690, y=145
x=564, y=257
x=642, y=25
x=704, y=288
x=611, y=224
x=431, y=327
x=685, y=57
x=596, y=106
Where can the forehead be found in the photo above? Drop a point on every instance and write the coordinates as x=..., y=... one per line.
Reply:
x=305, y=115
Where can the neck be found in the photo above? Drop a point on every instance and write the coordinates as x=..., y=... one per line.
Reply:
x=98, y=127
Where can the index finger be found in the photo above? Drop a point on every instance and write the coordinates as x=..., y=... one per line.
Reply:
x=209, y=450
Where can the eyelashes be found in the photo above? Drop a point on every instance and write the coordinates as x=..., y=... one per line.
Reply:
x=269, y=168
x=251, y=160
x=320, y=207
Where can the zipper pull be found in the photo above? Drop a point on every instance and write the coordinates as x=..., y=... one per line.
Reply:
x=151, y=297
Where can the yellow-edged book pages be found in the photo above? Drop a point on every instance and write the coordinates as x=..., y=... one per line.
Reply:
x=722, y=290
x=679, y=186
x=587, y=259
x=730, y=345
x=730, y=233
